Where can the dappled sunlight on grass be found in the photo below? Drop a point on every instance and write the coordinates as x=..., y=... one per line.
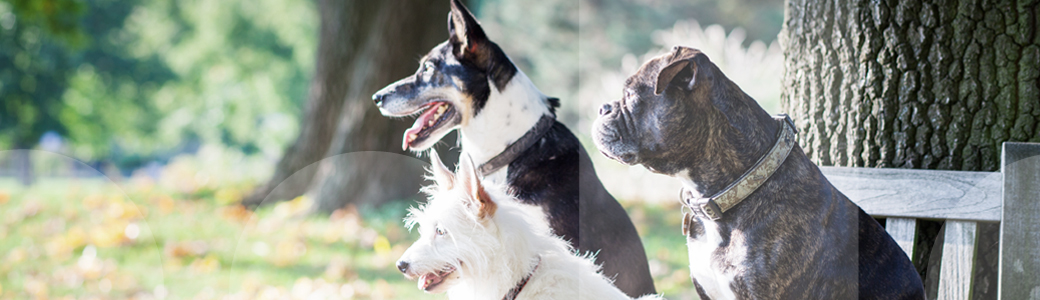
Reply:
x=92, y=239
x=86, y=239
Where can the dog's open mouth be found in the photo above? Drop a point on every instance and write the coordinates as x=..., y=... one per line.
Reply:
x=430, y=281
x=435, y=116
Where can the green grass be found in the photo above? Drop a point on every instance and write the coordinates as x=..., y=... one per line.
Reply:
x=191, y=246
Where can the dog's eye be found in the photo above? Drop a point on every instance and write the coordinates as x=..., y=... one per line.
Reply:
x=441, y=231
x=428, y=67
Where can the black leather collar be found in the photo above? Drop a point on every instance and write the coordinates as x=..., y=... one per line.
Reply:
x=519, y=146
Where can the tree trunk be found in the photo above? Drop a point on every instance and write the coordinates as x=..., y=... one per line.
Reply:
x=23, y=165
x=397, y=37
x=914, y=84
x=363, y=45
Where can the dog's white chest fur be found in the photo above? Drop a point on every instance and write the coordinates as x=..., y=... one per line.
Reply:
x=506, y=116
x=714, y=276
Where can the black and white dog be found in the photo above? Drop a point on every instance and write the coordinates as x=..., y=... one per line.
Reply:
x=508, y=127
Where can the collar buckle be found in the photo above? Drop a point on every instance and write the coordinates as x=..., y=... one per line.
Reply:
x=711, y=210
x=714, y=206
x=704, y=208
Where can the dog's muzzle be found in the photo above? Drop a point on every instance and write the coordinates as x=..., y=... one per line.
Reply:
x=608, y=136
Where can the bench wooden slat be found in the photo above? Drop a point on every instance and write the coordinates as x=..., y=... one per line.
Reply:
x=929, y=194
x=903, y=231
x=958, y=256
x=1020, y=229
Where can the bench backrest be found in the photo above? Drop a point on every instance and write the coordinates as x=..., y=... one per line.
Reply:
x=1010, y=197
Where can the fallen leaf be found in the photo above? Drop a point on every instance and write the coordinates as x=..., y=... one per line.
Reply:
x=76, y=237
x=227, y=196
x=236, y=213
x=293, y=207
x=108, y=235
x=36, y=287
x=4, y=197
x=57, y=249
x=185, y=249
x=330, y=235
x=287, y=252
x=166, y=204
x=115, y=210
x=381, y=245
x=206, y=264
x=31, y=208
x=362, y=288
x=93, y=201
x=383, y=290
x=16, y=255
x=337, y=269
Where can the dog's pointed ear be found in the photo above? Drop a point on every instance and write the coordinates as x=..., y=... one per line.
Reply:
x=466, y=36
x=443, y=176
x=680, y=70
x=470, y=181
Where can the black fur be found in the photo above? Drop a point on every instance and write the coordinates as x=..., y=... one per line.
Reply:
x=554, y=103
x=471, y=47
x=557, y=174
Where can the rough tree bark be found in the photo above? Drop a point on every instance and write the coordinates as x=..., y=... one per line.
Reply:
x=915, y=84
x=363, y=45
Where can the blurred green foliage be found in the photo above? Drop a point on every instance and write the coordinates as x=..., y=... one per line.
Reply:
x=134, y=80
x=130, y=81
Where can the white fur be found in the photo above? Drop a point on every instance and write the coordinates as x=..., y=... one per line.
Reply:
x=507, y=115
x=712, y=278
x=687, y=182
x=492, y=254
x=714, y=281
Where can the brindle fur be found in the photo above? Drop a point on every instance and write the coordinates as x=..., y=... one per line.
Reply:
x=796, y=237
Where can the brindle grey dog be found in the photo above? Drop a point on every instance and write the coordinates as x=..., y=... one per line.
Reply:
x=765, y=223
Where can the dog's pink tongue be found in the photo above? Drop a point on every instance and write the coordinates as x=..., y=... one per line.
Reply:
x=421, y=122
x=428, y=280
x=411, y=134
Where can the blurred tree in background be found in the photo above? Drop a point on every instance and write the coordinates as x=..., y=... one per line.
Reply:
x=131, y=81
x=364, y=45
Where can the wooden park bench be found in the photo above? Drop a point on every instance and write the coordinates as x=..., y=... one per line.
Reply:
x=1010, y=197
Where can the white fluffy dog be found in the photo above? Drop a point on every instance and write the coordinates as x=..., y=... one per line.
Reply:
x=480, y=243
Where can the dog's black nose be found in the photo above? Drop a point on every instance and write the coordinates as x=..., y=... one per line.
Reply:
x=606, y=109
x=402, y=266
x=378, y=98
